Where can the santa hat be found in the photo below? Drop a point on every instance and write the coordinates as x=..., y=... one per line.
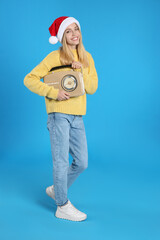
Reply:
x=59, y=26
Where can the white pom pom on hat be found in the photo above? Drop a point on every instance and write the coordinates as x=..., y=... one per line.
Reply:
x=59, y=26
x=53, y=40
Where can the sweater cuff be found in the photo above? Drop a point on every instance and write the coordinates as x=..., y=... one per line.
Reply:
x=53, y=93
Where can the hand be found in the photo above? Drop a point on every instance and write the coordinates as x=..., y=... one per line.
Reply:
x=62, y=95
x=76, y=64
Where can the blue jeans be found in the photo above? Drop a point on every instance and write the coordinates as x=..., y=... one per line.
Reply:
x=67, y=135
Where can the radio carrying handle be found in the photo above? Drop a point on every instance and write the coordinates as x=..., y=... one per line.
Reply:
x=63, y=66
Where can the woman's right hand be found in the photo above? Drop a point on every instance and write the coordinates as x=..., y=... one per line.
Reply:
x=62, y=95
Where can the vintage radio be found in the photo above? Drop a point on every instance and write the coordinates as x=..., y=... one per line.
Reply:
x=70, y=81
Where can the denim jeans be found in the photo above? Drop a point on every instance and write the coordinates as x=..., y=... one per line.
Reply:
x=67, y=135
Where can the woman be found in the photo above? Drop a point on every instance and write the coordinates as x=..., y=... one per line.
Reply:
x=65, y=113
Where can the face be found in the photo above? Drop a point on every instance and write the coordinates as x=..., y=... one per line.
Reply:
x=72, y=34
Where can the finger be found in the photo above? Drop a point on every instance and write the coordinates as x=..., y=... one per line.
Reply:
x=66, y=97
x=78, y=66
x=67, y=94
x=74, y=65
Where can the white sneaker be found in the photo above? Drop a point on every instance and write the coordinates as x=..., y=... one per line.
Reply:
x=50, y=191
x=69, y=212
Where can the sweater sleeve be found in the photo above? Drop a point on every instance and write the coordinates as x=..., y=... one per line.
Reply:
x=90, y=78
x=33, y=83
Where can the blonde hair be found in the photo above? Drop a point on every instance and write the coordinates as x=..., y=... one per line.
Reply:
x=66, y=55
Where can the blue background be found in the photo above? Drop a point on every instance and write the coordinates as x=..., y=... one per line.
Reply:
x=120, y=189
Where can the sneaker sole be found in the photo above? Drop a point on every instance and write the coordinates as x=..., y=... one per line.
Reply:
x=67, y=217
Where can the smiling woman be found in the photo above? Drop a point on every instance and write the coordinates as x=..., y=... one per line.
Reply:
x=65, y=121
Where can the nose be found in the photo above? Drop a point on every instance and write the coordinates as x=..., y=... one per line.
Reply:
x=73, y=32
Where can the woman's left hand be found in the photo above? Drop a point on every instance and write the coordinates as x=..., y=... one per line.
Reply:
x=76, y=64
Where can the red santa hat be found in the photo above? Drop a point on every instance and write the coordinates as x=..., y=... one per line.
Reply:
x=59, y=26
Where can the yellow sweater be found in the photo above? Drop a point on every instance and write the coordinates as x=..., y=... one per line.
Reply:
x=73, y=105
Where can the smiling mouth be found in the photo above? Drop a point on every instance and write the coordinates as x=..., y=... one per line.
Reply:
x=74, y=39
